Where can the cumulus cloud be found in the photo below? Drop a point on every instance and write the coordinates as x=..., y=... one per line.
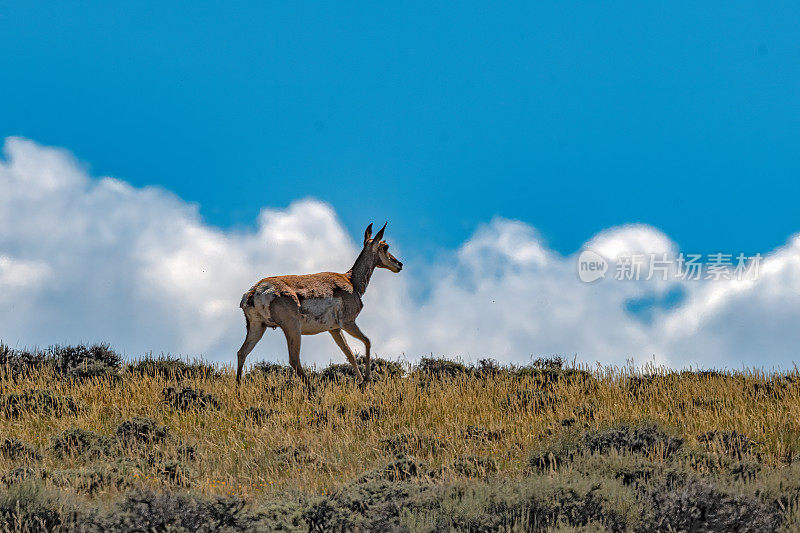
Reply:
x=87, y=259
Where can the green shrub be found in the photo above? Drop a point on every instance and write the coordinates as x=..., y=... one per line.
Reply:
x=481, y=433
x=189, y=399
x=21, y=363
x=469, y=466
x=410, y=444
x=76, y=363
x=401, y=468
x=167, y=367
x=299, y=454
x=641, y=438
x=381, y=369
x=175, y=472
x=27, y=507
x=370, y=414
x=698, y=505
x=265, y=369
x=536, y=400
x=93, y=370
x=282, y=515
x=140, y=430
x=441, y=368
x=729, y=442
x=19, y=475
x=75, y=356
x=532, y=504
x=96, y=478
x=77, y=442
x=175, y=512
x=258, y=415
x=374, y=505
x=38, y=401
x=15, y=449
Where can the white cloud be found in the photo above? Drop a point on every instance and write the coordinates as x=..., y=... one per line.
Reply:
x=84, y=259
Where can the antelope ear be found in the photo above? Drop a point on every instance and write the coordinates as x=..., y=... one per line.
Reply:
x=379, y=237
x=368, y=234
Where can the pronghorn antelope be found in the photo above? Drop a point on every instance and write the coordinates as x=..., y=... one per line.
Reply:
x=312, y=303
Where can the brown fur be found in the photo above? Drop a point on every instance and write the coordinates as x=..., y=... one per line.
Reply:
x=300, y=287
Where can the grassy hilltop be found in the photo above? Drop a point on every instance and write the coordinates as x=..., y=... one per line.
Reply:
x=90, y=443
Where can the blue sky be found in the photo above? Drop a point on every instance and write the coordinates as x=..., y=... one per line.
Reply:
x=497, y=141
x=572, y=117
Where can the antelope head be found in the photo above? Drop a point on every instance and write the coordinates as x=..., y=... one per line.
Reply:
x=379, y=250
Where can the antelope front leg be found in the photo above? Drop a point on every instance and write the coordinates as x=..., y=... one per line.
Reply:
x=340, y=340
x=354, y=330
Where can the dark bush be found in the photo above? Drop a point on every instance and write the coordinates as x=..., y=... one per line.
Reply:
x=481, y=433
x=140, y=430
x=187, y=452
x=21, y=363
x=27, y=507
x=77, y=442
x=374, y=505
x=189, y=399
x=575, y=507
x=536, y=400
x=175, y=473
x=299, y=454
x=729, y=442
x=381, y=369
x=264, y=368
x=318, y=417
x=643, y=438
x=489, y=368
x=708, y=374
x=42, y=402
x=19, y=474
x=441, y=368
x=147, y=511
x=284, y=514
x=470, y=466
x=69, y=357
x=634, y=439
x=370, y=414
x=166, y=367
x=745, y=470
x=402, y=468
x=93, y=479
x=410, y=443
x=769, y=390
x=698, y=505
x=638, y=385
x=15, y=449
x=530, y=505
x=71, y=362
x=93, y=370
x=259, y=415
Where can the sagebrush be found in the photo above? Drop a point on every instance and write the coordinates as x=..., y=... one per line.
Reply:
x=92, y=443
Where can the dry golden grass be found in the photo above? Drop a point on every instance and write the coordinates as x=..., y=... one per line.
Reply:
x=315, y=444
